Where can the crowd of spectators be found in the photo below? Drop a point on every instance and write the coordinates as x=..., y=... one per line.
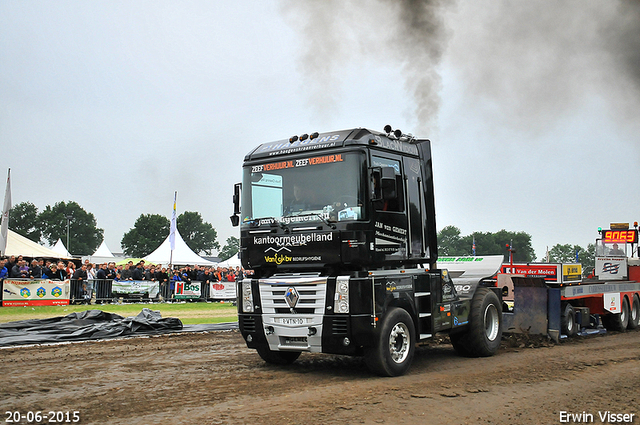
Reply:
x=17, y=268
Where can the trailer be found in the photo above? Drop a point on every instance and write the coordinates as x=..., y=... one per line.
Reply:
x=565, y=303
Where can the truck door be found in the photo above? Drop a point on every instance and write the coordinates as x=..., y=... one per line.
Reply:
x=390, y=215
x=415, y=207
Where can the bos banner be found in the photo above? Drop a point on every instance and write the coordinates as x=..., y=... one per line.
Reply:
x=222, y=290
x=187, y=290
x=33, y=292
x=135, y=287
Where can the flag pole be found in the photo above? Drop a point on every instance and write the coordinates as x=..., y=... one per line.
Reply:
x=4, y=221
x=172, y=232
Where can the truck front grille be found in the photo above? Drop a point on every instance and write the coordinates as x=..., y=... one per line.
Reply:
x=311, y=291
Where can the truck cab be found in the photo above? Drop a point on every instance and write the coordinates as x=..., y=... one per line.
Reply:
x=339, y=231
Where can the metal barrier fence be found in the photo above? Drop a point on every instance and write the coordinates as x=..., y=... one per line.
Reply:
x=101, y=291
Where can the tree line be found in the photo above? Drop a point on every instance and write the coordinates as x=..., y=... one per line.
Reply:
x=147, y=233
x=452, y=243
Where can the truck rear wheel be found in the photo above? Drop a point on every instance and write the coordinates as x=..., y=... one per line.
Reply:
x=634, y=315
x=394, y=348
x=278, y=357
x=568, y=319
x=617, y=322
x=484, y=333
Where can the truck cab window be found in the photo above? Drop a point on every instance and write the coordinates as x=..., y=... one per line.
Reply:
x=389, y=200
x=311, y=188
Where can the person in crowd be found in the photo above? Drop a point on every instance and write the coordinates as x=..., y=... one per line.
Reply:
x=138, y=272
x=3, y=269
x=35, y=272
x=201, y=274
x=19, y=270
x=174, y=278
x=212, y=276
x=239, y=273
x=59, y=273
x=150, y=274
x=231, y=276
x=51, y=271
x=102, y=272
x=119, y=270
x=81, y=276
x=127, y=272
x=10, y=263
x=111, y=271
x=91, y=271
x=71, y=269
x=162, y=277
x=185, y=274
x=46, y=271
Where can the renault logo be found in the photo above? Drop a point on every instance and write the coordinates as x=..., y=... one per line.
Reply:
x=292, y=296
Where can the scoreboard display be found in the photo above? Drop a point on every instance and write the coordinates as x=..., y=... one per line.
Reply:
x=620, y=236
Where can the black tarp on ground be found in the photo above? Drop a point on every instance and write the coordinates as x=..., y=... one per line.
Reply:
x=85, y=325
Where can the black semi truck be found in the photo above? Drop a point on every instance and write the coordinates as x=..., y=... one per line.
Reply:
x=339, y=231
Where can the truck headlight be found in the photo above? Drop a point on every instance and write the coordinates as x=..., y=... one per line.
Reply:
x=247, y=297
x=341, y=299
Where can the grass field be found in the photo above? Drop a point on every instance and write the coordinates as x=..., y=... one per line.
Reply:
x=188, y=313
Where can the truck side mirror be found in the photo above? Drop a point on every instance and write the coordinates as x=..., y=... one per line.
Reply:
x=384, y=183
x=388, y=183
x=235, y=219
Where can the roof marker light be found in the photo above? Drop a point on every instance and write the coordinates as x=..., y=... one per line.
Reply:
x=314, y=135
x=293, y=139
x=305, y=136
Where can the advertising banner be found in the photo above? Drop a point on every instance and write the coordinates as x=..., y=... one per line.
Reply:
x=187, y=290
x=549, y=271
x=571, y=272
x=611, y=268
x=34, y=292
x=222, y=290
x=136, y=287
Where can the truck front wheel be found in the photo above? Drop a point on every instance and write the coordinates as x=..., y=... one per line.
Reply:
x=278, y=357
x=484, y=332
x=394, y=348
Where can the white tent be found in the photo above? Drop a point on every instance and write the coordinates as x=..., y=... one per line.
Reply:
x=102, y=255
x=61, y=249
x=103, y=251
x=231, y=262
x=19, y=245
x=182, y=255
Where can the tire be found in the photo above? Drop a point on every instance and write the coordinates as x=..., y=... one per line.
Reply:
x=457, y=340
x=617, y=322
x=394, y=347
x=484, y=333
x=634, y=314
x=568, y=321
x=278, y=357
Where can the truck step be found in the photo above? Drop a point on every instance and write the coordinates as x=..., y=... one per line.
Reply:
x=425, y=336
x=422, y=294
x=424, y=315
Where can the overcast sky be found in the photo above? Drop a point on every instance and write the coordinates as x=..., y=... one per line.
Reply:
x=531, y=106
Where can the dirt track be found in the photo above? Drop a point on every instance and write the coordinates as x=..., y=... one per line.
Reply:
x=212, y=378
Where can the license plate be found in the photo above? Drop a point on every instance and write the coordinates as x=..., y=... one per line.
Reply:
x=295, y=340
x=292, y=321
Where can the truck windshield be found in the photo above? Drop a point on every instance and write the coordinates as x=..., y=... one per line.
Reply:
x=315, y=188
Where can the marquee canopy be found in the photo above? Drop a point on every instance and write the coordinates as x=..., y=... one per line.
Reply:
x=19, y=245
x=182, y=254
